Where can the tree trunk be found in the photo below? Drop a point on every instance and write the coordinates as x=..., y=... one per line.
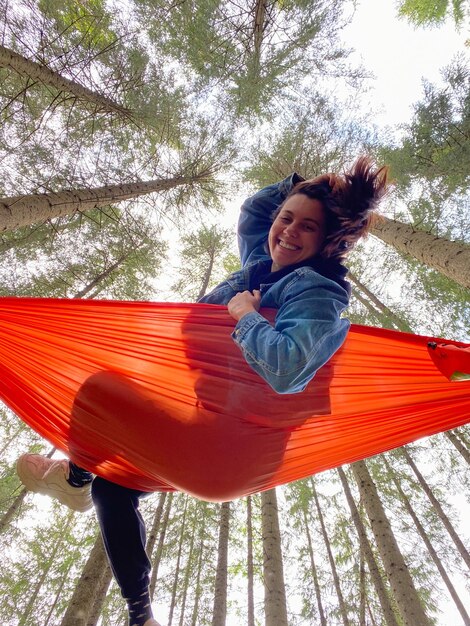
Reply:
x=197, y=586
x=314, y=570
x=98, y=279
x=33, y=593
x=178, y=563
x=57, y=595
x=219, y=613
x=427, y=542
x=454, y=439
x=207, y=276
x=403, y=589
x=152, y=536
x=438, y=508
x=379, y=586
x=29, y=209
x=41, y=73
x=339, y=593
x=275, y=603
x=249, y=563
x=83, y=597
x=161, y=540
x=388, y=313
x=362, y=587
x=12, y=510
x=451, y=258
x=258, y=32
x=187, y=574
x=100, y=596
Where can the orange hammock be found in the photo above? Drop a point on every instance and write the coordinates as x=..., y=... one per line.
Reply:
x=158, y=396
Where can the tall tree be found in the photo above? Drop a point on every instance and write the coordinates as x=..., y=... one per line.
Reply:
x=202, y=261
x=404, y=591
x=429, y=545
x=343, y=609
x=248, y=52
x=451, y=258
x=219, y=613
x=23, y=210
x=464, y=553
x=275, y=602
x=379, y=585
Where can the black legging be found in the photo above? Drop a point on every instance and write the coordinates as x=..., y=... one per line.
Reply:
x=123, y=531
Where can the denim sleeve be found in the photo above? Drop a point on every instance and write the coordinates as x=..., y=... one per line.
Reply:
x=255, y=216
x=307, y=332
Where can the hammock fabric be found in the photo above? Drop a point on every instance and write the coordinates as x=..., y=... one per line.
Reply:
x=158, y=396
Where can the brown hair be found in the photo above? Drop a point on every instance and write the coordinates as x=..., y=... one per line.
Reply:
x=349, y=200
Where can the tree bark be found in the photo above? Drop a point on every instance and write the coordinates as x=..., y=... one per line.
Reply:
x=258, y=32
x=100, y=596
x=219, y=614
x=401, y=583
x=12, y=510
x=451, y=258
x=249, y=563
x=41, y=73
x=82, y=601
x=161, y=540
x=379, y=586
x=437, y=507
x=24, y=210
x=453, y=438
x=152, y=536
x=275, y=603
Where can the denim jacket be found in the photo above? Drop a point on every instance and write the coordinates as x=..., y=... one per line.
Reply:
x=307, y=328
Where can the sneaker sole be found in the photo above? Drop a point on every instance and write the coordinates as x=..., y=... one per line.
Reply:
x=54, y=489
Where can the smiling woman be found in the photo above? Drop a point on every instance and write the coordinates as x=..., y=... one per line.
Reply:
x=298, y=231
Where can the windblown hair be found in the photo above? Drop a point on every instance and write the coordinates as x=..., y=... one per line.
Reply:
x=349, y=200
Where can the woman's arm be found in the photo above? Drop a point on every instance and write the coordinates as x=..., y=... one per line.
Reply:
x=307, y=332
x=255, y=216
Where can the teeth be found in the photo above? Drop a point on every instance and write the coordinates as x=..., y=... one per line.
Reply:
x=288, y=246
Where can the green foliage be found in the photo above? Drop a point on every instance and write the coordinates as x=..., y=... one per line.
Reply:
x=432, y=12
x=109, y=254
x=436, y=145
x=87, y=24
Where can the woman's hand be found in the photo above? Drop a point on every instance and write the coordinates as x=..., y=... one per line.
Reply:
x=243, y=303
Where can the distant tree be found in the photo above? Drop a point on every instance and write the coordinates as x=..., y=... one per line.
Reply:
x=202, y=261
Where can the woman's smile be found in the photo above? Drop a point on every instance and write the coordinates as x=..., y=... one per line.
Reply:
x=298, y=232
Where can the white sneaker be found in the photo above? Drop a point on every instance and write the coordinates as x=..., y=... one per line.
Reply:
x=151, y=622
x=49, y=476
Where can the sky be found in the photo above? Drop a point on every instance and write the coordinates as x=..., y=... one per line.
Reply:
x=399, y=55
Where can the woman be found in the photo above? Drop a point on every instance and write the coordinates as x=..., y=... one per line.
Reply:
x=293, y=237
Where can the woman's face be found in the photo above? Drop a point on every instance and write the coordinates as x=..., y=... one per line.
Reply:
x=298, y=232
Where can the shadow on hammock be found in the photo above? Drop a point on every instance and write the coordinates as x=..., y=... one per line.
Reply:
x=224, y=441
